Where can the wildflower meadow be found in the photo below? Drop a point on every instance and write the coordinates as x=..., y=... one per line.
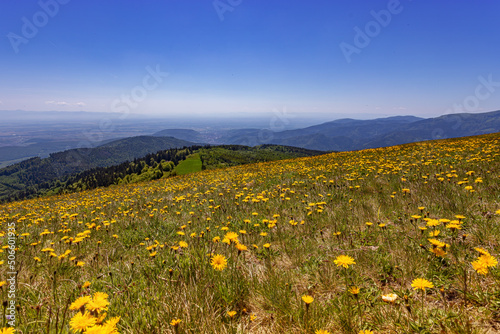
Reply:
x=400, y=239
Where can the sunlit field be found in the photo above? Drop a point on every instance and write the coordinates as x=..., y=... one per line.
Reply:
x=393, y=240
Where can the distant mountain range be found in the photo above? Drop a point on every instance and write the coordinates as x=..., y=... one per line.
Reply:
x=351, y=134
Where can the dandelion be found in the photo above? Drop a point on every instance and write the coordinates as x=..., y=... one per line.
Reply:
x=422, y=284
x=480, y=267
x=80, y=302
x=231, y=236
x=231, y=314
x=7, y=330
x=321, y=331
x=218, y=262
x=307, y=299
x=267, y=245
x=241, y=248
x=484, y=262
x=354, y=290
x=175, y=322
x=183, y=244
x=98, y=303
x=482, y=251
x=366, y=331
x=344, y=261
x=80, y=322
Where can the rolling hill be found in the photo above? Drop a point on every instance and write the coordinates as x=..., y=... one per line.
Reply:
x=36, y=171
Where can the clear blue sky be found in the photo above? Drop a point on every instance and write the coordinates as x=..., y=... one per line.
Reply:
x=250, y=56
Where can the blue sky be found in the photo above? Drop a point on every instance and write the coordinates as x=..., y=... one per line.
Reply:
x=247, y=57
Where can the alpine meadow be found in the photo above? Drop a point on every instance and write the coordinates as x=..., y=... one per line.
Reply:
x=402, y=239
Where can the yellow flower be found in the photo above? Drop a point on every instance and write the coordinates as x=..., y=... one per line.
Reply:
x=482, y=251
x=480, y=267
x=218, y=262
x=80, y=302
x=267, y=245
x=437, y=243
x=231, y=236
x=175, y=322
x=483, y=262
x=99, y=302
x=390, y=298
x=7, y=330
x=231, y=313
x=344, y=261
x=86, y=285
x=438, y=251
x=241, y=247
x=307, y=299
x=183, y=244
x=354, y=290
x=80, y=321
x=321, y=331
x=366, y=331
x=422, y=284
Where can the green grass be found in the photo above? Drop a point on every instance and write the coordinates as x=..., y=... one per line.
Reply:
x=191, y=165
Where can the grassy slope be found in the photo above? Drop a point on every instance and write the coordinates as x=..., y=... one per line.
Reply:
x=190, y=165
x=309, y=211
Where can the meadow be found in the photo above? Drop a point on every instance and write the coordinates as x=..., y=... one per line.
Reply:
x=401, y=239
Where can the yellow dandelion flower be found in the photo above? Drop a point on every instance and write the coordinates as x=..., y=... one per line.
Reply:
x=482, y=251
x=307, y=299
x=80, y=322
x=7, y=330
x=98, y=303
x=218, y=262
x=344, y=261
x=80, y=302
x=241, y=247
x=480, y=267
x=422, y=284
x=231, y=236
x=231, y=313
x=175, y=322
